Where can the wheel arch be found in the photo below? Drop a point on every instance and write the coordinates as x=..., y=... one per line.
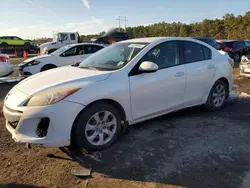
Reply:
x=116, y=104
x=50, y=64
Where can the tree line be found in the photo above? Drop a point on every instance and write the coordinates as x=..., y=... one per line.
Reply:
x=229, y=27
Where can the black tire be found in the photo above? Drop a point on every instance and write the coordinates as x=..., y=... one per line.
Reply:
x=48, y=67
x=79, y=139
x=27, y=45
x=4, y=45
x=237, y=57
x=210, y=101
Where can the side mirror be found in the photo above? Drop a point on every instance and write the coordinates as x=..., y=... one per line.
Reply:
x=148, y=66
x=63, y=54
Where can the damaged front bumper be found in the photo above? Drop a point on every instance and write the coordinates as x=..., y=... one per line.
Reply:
x=48, y=126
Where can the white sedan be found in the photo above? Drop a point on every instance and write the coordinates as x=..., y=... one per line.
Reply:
x=123, y=84
x=6, y=68
x=66, y=55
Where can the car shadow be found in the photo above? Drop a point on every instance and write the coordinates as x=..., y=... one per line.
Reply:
x=5, y=88
x=186, y=148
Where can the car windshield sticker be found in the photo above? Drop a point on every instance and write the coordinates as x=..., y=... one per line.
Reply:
x=136, y=45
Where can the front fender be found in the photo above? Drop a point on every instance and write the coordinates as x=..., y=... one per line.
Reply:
x=115, y=87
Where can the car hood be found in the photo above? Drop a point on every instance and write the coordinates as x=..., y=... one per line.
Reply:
x=62, y=76
x=35, y=58
x=47, y=44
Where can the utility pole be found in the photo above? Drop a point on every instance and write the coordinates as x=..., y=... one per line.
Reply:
x=124, y=19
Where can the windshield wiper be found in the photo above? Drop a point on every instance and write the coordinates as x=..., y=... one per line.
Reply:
x=89, y=67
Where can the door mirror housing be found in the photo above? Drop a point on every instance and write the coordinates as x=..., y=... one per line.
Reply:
x=148, y=66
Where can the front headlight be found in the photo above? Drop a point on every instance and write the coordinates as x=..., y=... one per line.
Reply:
x=49, y=97
x=35, y=62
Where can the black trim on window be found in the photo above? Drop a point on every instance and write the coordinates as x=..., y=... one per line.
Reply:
x=182, y=45
x=135, y=70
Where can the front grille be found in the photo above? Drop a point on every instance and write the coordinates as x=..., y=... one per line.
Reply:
x=13, y=124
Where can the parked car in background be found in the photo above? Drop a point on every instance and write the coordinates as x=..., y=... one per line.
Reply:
x=60, y=39
x=234, y=48
x=6, y=68
x=245, y=66
x=208, y=40
x=66, y=55
x=7, y=41
x=111, y=35
x=88, y=106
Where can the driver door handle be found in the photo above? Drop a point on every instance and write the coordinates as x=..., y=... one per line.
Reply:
x=178, y=74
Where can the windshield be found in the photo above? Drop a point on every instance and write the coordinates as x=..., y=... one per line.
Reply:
x=114, y=56
x=60, y=50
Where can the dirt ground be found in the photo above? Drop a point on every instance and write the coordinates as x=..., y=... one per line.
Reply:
x=190, y=148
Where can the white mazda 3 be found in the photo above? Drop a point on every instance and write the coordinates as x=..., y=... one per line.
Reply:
x=126, y=83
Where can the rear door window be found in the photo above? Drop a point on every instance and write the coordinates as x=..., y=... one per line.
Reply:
x=95, y=48
x=192, y=52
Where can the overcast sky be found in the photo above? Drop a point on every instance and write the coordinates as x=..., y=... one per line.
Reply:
x=38, y=18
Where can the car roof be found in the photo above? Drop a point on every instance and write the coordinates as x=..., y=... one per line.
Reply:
x=155, y=39
x=78, y=44
x=145, y=40
x=203, y=37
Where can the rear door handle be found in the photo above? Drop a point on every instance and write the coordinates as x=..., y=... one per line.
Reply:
x=210, y=66
x=178, y=74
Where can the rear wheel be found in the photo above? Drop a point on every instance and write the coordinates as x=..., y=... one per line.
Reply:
x=47, y=67
x=4, y=45
x=217, y=96
x=97, y=127
x=27, y=45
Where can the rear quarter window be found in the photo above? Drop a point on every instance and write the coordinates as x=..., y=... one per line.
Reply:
x=247, y=43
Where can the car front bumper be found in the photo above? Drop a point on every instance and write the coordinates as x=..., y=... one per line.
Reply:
x=25, y=123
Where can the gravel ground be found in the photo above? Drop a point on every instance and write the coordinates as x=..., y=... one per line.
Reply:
x=190, y=148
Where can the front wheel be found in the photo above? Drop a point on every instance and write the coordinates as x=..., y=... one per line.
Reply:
x=97, y=127
x=217, y=96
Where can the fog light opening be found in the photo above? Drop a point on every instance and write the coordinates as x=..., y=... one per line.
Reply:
x=42, y=127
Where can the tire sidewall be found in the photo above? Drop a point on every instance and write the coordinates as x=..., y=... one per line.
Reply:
x=80, y=139
x=4, y=45
x=27, y=45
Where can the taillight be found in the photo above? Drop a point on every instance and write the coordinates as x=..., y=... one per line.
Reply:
x=3, y=59
x=227, y=49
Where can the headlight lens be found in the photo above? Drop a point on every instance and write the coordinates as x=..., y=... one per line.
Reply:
x=35, y=62
x=49, y=97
